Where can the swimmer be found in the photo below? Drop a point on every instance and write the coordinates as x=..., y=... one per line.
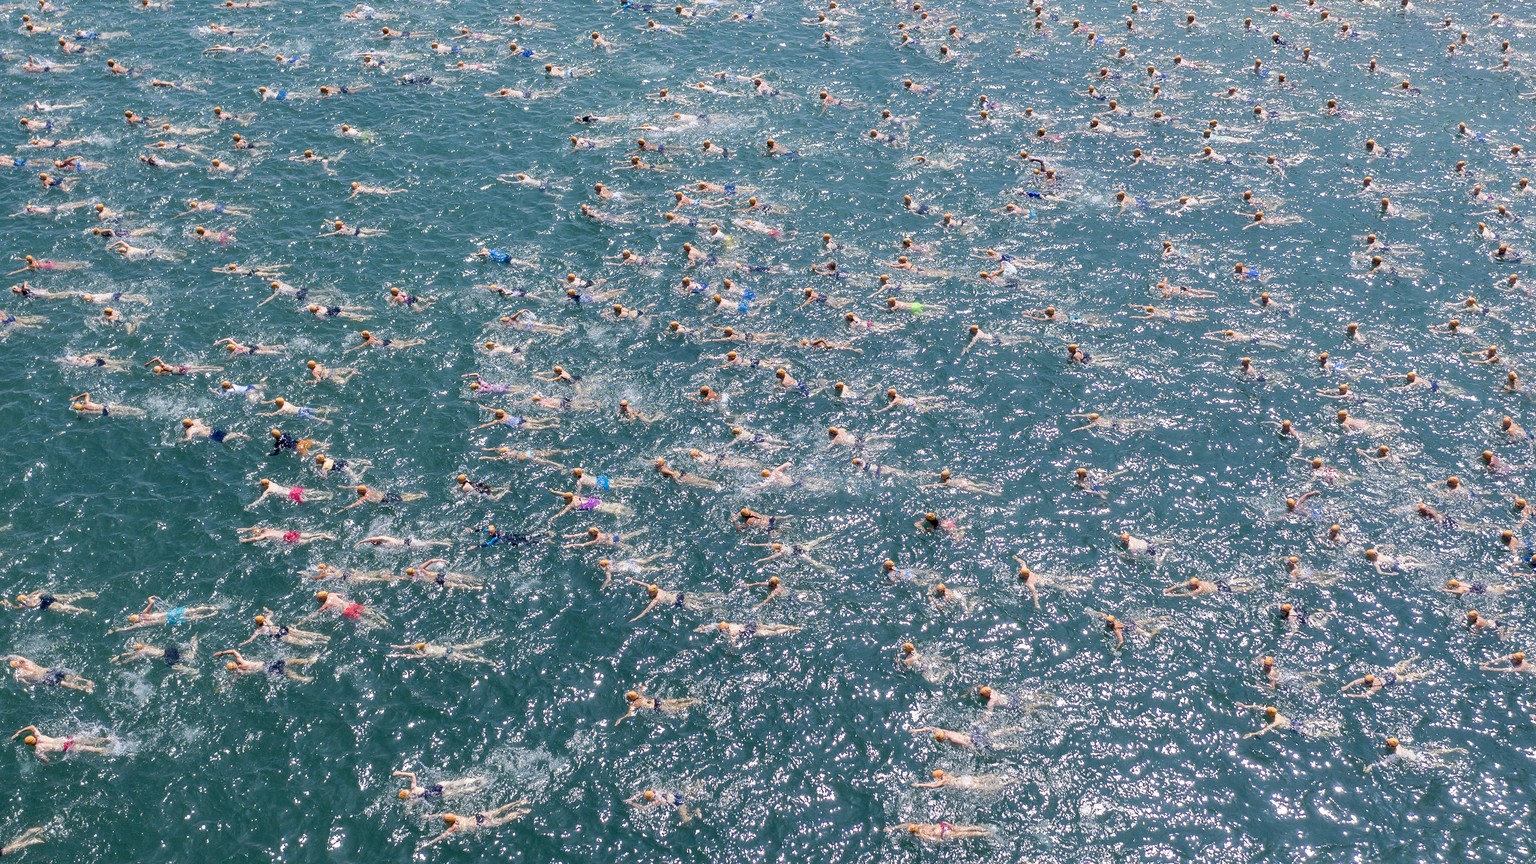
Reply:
x=840, y=437
x=796, y=551
x=1459, y=588
x=173, y=617
x=367, y=495
x=29, y=837
x=466, y=652
x=513, y=421
x=1194, y=587
x=970, y=782
x=336, y=604
x=284, y=666
x=1303, y=574
x=661, y=597
x=28, y=672
x=371, y=341
x=384, y=541
x=83, y=406
x=1508, y=663
x=268, y=628
x=630, y=567
x=941, y=832
x=895, y=400
x=464, y=487
x=735, y=633
x=1146, y=627
x=1498, y=467
x=742, y=435
x=684, y=478
x=1276, y=722
x=1386, y=564
x=42, y=745
x=932, y=523
x=1093, y=480
x=598, y=537
x=442, y=791
x=177, y=658
x=195, y=429
x=284, y=408
x=287, y=537
x=541, y=457
x=650, y=798
x=325, y=466
x=945, y=480
x=44, y=601
x=292, y=493
x=336, y=375
x=1274, y=677
x=1099, y=421
x=977, y=739
x=95, y=361
x=195, y=206
x=350, y=313
x=1136, y=548
x=342, y=229
x=982, y=337
x=234, y=347
x=638, y=702
x=481, y=821
x=1371, y=684
x=160, y=367
x=1397, y=752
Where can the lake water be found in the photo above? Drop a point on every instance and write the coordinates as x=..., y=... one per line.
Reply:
x=798, y=748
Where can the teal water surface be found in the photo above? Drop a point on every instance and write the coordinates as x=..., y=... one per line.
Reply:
x=798, y=746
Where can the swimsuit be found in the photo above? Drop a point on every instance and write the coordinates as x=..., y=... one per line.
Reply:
x=353, y=611
x=176, y=616
x=44, y=601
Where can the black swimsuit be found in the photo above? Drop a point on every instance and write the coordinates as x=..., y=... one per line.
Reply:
x=45, y=600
